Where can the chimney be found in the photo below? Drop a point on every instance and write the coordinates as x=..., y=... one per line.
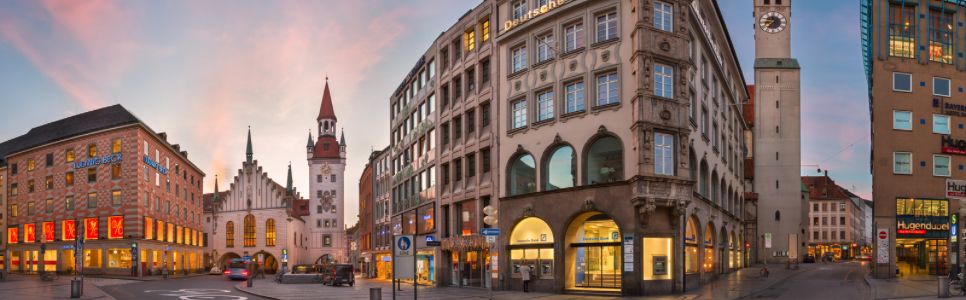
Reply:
x=163, y=135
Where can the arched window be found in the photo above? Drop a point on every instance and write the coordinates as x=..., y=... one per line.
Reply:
x=708, y=265
x=703, y=179
x=605, y=161
x=270, y=233
x=778, y=215
x=715, y=192
x=249, y=231
x=693, y=167
x=559, y=169
x=523, y=175
x=691, y=247
x=532, y=240
x=230, y=234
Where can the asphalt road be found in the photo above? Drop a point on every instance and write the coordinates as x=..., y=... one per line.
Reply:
x=827, y=281
x=208, y=287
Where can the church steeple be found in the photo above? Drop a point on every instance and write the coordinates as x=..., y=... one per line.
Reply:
x=342, y=139
x=288, y=182
x=248, y=149
x=216, y=187
x=327, y=120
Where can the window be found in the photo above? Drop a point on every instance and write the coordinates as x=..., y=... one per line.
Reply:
x=332, y=177
x=69, y=203
x=694, y=106
x=469, y=40
x=663, y=81
x=519, y=114
x=116, y=171
x=91, y=150
x=663, y=154
x=544, y=48
x=485, y=29
x=92, y=175
x=663, y=16
x=116, y=198
x=518, y=59
x=560, y=169
x=940, y=86
x=901, y=82
x=326, y=240
x=470, y=80
x=484, y=115
x=116, y=146
x=457, y=169
x=270, y=233
x=573, y=37
x=940, y=165
x=518, y=9
x=69, y=155
x=484, y=73
x=523, y=176
x=49, y=183
x=13, y=210
x=249, y=233
x=230, y=234
x=902, y=163
x=575, y=97
x=92, y=200
x=606, y=27
x=470, y=121
x=545, y=105
x=902, y=120
x=902, y=31
x=31, y=165
x=940, y=124
x=470, y=165
x=941, y=36
x=49, y=160
x=457, y=127
x=30, y=208
x=485, y=160
x=604, y=161
x=607, y=89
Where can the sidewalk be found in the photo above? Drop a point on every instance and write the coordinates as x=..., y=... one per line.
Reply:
x=912, y=286
x=739, y=284
x=30, y=287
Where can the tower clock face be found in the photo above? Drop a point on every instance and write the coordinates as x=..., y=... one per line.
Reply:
x=325, y=170
x=772, y=22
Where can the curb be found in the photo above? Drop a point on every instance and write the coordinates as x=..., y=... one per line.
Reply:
x=780, y=281
x=868, y=283
x=238, y=288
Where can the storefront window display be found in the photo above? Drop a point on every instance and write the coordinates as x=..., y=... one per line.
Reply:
x=708, y=265
x=426, y=219
x=92, y=258
x=467, y=218
x=118, y=258
x=148, y=228
x=657, y=259
x=594, y=252
x=384, y=266
x=691, y=248
x=532, y=241
x=409, y=222
x=68, y=261
x=425, y=267
x=15, y=261
x=50, y=260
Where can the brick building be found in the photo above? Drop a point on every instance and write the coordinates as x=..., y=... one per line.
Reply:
x=108, y=179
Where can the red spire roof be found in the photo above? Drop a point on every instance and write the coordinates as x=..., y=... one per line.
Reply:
x=326, y=147
x=326, y=111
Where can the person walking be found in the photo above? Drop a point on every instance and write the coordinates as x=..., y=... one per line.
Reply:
x=525, y=275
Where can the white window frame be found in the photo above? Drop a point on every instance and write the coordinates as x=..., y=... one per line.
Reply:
x=573, y=36
x=949, y=163
x=607, y=90
x=575, y=97
x=663, y=154
x=545, y=105
x=518, y=59
x=518, y=114
x=894, y=74
x=949, y=86
x=894, y=124
x=894, y=165
x=544, y=47
x=663, y=16
x=936, y=117
x=663, y=81
x=607, y=28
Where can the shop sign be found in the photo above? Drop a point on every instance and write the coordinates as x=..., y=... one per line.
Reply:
x=69, y=230
x=949, y=108
x=12, y=235
x=629, y=253
x=48, y=230
x=922, y=226
x=115, y=227
x=95, y=161
x=536, y=12
x=952, y=145
x=767, y=240
x=90, y=229
x=29, y=233
x=161, y=169
x=956, y=189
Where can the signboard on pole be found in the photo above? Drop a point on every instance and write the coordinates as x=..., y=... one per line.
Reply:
x=403, y=249
x=882, y=246
x=629, y=253
x=767, y=240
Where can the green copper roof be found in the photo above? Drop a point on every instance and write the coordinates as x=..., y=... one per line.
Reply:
x=342, y=138
x=310, y=143
x=776, y=63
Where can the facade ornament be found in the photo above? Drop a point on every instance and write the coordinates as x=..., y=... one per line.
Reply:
x=589, y=204
x=528, y=211
x=601, y=129
x=645, y=209
x=557, y=139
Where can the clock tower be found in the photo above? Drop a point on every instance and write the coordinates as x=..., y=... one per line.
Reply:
x=782, y=207
x=327, y=160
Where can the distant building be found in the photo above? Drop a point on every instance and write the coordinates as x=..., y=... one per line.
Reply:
x=366, y=221
x=836, y=219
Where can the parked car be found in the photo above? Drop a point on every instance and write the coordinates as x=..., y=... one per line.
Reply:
x=237, y=269
x=809, y=259
x=339, y=274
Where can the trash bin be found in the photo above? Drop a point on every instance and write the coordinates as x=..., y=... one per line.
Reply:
x=943, y=287
x=375, y=293
x=75, y=288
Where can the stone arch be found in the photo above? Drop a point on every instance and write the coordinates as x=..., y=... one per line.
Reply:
x=521, y=173
x=600, y=164
x=269, y=263
x=587, y=232
x=551, y=160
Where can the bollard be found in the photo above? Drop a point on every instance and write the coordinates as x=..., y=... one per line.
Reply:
x=943, y=287
x=375, y=293
x=75, y=288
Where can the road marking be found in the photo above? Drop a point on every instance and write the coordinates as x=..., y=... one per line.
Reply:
x=198, y=294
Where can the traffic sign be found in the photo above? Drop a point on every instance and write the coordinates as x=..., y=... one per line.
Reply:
x=403, y=246
x=433, y=243
x=883, y=234
x=490, y=231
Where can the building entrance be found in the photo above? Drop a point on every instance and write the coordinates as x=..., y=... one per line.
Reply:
x=922, y=256
x=594, y=253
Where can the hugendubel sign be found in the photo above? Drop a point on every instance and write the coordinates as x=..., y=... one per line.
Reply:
x=952, y=145
x=956, y=189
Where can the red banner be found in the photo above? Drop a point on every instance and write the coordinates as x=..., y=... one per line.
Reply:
x=90, y=228
x=29, y=233
x=68, y=230
x=48, y=230
x=115, y=227
x=12, y=236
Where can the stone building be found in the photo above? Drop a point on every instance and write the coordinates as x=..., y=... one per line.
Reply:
x=326, y=158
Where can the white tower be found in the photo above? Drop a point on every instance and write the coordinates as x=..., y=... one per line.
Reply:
x=777, y=135
x=327, y=161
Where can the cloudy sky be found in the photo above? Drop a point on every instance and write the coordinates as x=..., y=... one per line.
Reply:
x=204, y=71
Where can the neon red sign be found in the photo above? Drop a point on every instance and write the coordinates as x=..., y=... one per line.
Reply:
x=68, y=230
x=48, y=230
x=911, y=231
x=12, y=235
x=115, y=227
x=29, y=233
x=90, y=228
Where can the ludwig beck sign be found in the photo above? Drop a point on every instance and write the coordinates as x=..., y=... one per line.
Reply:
x=956, y=189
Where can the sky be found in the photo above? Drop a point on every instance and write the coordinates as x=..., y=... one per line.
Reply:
x=203, y=71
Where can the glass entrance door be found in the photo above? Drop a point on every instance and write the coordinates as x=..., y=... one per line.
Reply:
x=598, y=266
x=938, y=256
x=471, y=269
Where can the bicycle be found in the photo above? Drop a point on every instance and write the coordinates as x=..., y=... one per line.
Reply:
x=956, y=286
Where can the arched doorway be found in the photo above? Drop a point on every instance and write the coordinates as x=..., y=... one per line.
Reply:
x=268, y=262
x=723, y=251
x=708, y=265
x=532, y=242
x=226, y=259
x=593, y=253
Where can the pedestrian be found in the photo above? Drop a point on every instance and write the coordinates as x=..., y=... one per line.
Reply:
x=525, y=275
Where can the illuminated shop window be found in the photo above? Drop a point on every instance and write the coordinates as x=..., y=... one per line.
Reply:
x=941, y=36
x=902, y=31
